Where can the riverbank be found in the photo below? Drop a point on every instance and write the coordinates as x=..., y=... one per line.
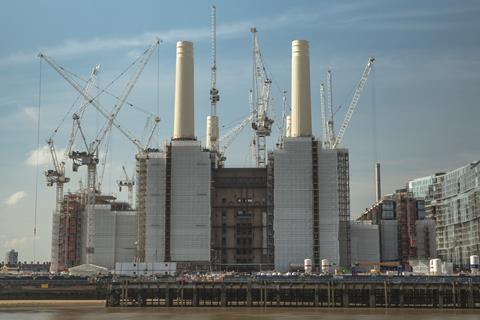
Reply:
x=81, y=310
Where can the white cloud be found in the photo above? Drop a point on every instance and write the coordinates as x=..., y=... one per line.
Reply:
x=15, y=242
x=226, y=30
x=15, y=198
x=43, y=156
x=31, y=113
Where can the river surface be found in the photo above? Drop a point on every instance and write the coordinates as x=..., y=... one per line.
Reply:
x=88, y=310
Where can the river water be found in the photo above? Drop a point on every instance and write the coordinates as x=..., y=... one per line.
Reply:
x=88, y=310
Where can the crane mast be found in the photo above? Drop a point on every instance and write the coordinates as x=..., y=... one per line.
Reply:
x=283, y=127
x=262, y=103
x=325, y=137
x=330, y=127
x=214, y=96
x=212, y=121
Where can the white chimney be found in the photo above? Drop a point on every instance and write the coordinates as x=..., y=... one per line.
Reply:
x=301, y=101
x=184, y=126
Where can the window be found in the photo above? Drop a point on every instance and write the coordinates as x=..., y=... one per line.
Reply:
x=244, y=214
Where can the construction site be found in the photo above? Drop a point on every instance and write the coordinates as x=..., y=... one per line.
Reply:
x=188, y=209
x=185, y=205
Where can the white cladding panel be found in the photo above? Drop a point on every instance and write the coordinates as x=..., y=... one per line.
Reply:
x=125, y=236
x=328, y=205
x=425, y=236
x=55, y=250
x=365, y=242
x=389, y=240
x=115, y=236
x=155, y=208
x=104, y=237
x=190, y=211
x=293, y=203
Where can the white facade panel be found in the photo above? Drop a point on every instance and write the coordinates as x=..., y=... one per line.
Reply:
x=190, y=211
x=425, y=237
x=389, y=240
x=104, y=237
x=293, y=203
x=365, y=243
x=155, y=208
x=125, y=236
x=114, y=238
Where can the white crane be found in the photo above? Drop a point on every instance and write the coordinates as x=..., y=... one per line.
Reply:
x=325, y=136
x=353, y=104
x=57, y=175
x=262, y=103
x=227, y=139
x=129, y=183
x=283, y=125
x=90, y=156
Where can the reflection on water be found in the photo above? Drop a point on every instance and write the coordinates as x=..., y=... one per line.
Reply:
x=34, y=310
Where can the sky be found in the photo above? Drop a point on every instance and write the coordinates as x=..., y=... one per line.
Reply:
x=418, y=114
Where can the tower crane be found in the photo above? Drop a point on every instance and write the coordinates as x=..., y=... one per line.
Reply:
x=262, y=103
x=212, y=125
x=90, y=156
x=353, y=104
x=129, y=183
x=57, y=174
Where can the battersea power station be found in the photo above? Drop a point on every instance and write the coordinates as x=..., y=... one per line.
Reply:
x=193, y=211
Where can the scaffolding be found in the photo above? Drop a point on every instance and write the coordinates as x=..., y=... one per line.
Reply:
x=66, y=233
x=155, y=207
x=141, y=171
x=343, y=170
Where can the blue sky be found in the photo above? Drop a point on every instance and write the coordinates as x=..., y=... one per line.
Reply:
x=418, y=115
